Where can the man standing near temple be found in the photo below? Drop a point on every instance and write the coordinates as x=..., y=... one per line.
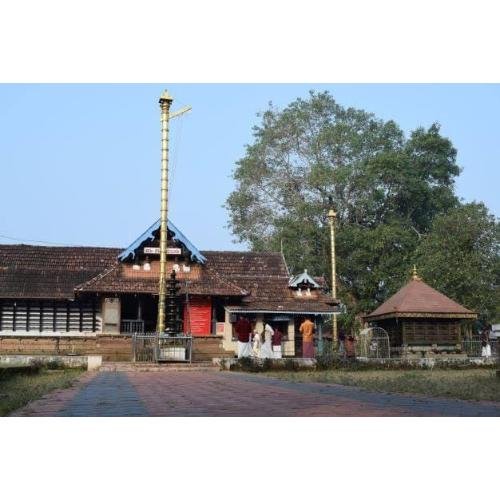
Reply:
x=485, y=340
x=243, y=329
x=307, y=331
x=350, y=347
x=277, y=343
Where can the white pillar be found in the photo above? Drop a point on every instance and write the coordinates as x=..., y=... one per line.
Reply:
x=289, y=348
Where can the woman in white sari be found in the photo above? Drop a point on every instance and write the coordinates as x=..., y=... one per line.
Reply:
x=256, y=344
x=266, y=350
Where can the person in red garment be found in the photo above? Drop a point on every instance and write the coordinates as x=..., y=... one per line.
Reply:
x=243, y=329
x=276, y=342
x=350, y=347
x=307, y=331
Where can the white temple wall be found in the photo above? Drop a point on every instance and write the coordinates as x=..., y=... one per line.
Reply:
x=227, y=341
x=289, y=345
x=111, y=316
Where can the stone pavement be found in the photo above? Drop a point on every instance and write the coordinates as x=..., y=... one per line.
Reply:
x=214, y=394
x=107, y=395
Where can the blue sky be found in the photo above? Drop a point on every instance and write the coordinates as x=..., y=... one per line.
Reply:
x=80, y=164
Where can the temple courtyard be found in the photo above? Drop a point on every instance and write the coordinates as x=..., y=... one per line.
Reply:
x=211, y=393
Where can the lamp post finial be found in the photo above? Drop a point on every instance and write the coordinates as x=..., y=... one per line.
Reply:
x=415, y=275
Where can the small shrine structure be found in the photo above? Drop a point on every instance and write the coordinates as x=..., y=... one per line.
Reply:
x=421, y=321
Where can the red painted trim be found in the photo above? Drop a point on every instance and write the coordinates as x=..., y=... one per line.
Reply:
x=198, y=316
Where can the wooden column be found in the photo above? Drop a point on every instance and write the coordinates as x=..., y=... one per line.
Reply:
x=139, y=307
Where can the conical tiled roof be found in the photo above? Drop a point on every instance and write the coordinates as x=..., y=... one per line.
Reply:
x=417, y=299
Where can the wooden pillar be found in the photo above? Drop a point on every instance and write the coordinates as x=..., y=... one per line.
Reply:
x=214, y=319
x=80, y=325
x=54, y=316
x=14, y=316
x=290, y=345
x=40, y=305
x=227, y=341
x=139, y=307
x=319, y=329
x=28, y=315
x=94, y=315
x=67, y=315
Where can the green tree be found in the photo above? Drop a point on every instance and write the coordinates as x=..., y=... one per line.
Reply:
x=460, y=257
x=386, y=189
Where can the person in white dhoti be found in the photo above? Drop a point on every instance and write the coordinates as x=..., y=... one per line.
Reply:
x=276, y=342
x=257, y=342
x=266, y=350
x=485, y=343
x=243, y=329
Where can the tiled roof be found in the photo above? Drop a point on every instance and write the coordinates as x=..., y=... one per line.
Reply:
x=419, y=299
x=273, y=293
x=224, y=273
x=241, y=264
x=265, y=276
x=49, y=272
x=261, y=279
x=115, y=280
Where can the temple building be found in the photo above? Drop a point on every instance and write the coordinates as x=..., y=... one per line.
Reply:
x=66, y=293
x=421, y=320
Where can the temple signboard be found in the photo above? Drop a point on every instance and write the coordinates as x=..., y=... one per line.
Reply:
x=156, y=251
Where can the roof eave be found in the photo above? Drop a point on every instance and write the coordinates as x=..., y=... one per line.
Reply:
x=235, y=309
x=437, y=315
x=149, y=235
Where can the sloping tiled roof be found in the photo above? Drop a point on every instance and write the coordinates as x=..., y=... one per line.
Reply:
x=265, y=276
x=224, y=273
x=274, y=294
x=241, y=264
x=114, y=280
x=418, y=299
x=49, y=272
x=261, y=279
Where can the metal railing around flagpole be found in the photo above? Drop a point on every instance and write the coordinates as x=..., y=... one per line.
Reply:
x=153, y=347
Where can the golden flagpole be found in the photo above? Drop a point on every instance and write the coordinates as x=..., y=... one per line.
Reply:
x=165, y=102
x=165, y=115
x=332, y=216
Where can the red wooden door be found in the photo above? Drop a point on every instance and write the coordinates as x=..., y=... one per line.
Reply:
x=198, y=316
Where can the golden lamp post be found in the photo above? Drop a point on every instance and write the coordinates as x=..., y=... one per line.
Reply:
x=165, y=102
x=332, y=217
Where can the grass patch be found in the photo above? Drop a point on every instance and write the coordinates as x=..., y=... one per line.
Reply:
x=475, y=384
x=19, y=387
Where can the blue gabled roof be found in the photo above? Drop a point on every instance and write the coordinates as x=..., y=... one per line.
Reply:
x=149, y=235
x=303, y=278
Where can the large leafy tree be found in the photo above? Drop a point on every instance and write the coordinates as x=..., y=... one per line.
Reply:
x=386, y=188
x=460, y=257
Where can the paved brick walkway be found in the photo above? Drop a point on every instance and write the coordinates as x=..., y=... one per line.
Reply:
x=214, y=394
x=107, y=395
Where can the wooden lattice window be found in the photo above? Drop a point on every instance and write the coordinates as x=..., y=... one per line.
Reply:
x=36, y=316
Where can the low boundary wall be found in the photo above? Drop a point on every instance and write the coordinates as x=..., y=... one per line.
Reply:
x=110, y=347
x=90, y=363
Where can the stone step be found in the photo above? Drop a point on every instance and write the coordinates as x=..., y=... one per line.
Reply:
x=208, y=349
x=210, y=355
x=158, y=367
